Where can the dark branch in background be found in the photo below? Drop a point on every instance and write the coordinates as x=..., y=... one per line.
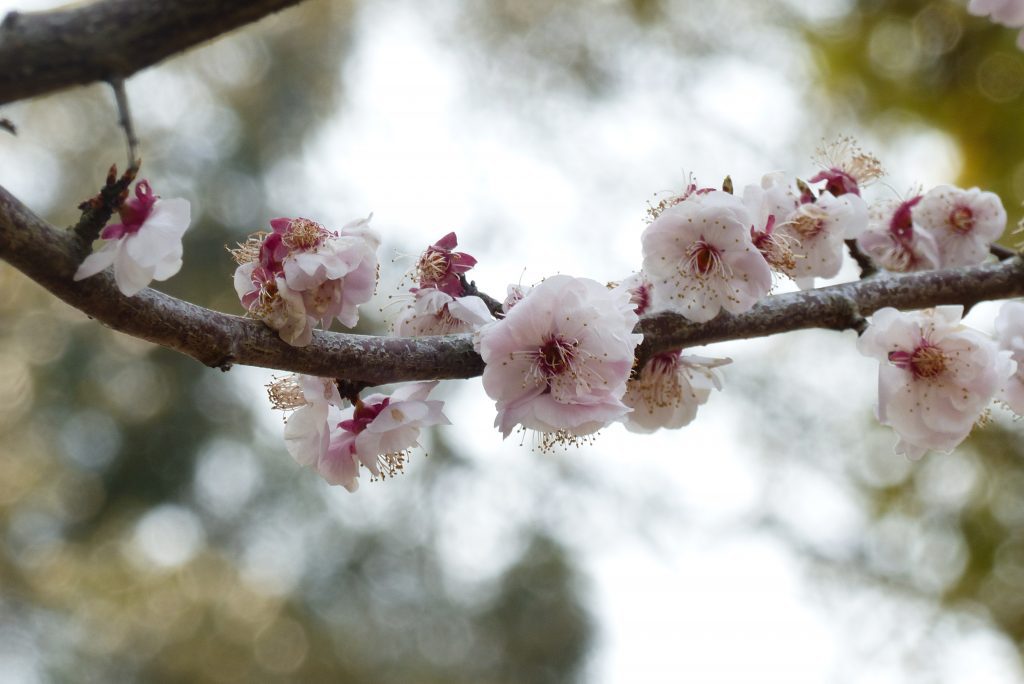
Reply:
x=110, y=39
x=8, y=126
x=50, y=257
x=125, y=119
x=471, y=290
x=867, y=266
x=1001, y=252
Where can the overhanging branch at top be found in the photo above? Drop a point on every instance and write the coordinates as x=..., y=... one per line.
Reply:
x=50, y=257
x=41, y=52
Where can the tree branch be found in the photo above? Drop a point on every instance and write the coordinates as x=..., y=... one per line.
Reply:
x=109, y=40
x=50, y=257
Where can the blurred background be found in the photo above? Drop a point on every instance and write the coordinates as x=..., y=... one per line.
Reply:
x=153, y=527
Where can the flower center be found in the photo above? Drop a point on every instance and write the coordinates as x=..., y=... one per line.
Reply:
x=807, y=226
x=304, y=235
x=433, y=266
x=363, y=415
x=556, y=356
x=704, y=258
x=926, y=361
x=961, y=220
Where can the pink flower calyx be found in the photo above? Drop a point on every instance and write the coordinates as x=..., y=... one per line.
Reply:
x=439, y=266
x=902, y=223
x=846, y=167
x=133, y=213
x=364, y=415
x=926, y=361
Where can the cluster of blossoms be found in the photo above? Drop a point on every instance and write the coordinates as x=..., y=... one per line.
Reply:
x=560, y=355
x=301, y=274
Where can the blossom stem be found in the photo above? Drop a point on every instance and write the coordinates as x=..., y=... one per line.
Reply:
x=125, y=120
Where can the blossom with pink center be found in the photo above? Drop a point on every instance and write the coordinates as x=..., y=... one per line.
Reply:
x=769, y=205
x=145, y=245
x=1010, y=336
x=433, y=312
x=1006, y=12
x=964, y=223
x=894, y=241
x=936, y=377
x=440, y=267
x=819, y=231
x=378, y=433
x=640, y=292
x=559, y=361
x=669, y=389
x=700, y=257
x=845, y=167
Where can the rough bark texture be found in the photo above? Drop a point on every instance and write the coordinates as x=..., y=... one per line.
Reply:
x=41, y=52
x=50, y=257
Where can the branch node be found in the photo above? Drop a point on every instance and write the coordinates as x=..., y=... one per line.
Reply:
x=96, y=211
x=350, y=389
x=470, y=288
x=867, y=266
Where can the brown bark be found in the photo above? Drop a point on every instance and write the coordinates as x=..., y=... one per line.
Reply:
x=41, y=52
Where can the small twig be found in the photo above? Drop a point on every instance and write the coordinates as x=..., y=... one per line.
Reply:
x=97, y=210
x=350, y=389
x=125, y=120
x=493, y=305
x=9, y=126
x=867, y=266
x=1001, y=252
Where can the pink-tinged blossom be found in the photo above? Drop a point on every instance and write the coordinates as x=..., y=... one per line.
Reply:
x=267, y=297
x=1010, y=337
x=669, y=389
x=433, y=312
x=514, y=294
x=312, y=400
x=1006, y=12
x=145, y=245
x=893, y=240
x=936, y=377
x=819, y=230
x=378, y=434
x=559, y=361
x=440, y=267
x=700, y=258
x=845, y=167
x=964, y=223
x=301, y=274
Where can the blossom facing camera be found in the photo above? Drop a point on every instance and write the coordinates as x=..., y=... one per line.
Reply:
x=146, y=244
x=936, y=377
x=700, y=258
x=964, y=223
x=559, y=361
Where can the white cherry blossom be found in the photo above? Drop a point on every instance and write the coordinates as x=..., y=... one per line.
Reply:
x=669, y=389
x=964, y=223
x=433, y=312
x=146, y=244
x=936, y=377
x=1010, y=336
x=894, y=241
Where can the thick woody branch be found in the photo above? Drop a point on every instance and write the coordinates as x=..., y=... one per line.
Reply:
x=109, y=40
x=50, y=257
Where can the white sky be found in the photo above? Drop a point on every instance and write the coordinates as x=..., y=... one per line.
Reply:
x=704, y=606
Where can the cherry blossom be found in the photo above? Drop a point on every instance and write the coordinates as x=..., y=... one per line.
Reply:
x=769, y=204
x=433, y=312
x=559, y=361
x=514, y=294
x=301, y=274
x=146, y=244
x=936, y=377
x=640, y=292
x=378, y=433
x=893, y=240
x=820, y=229
x=669, y=389
x=700, y=257
x=1010, y=336
x=307, y=430
x=440, y=267
x=964, y=223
